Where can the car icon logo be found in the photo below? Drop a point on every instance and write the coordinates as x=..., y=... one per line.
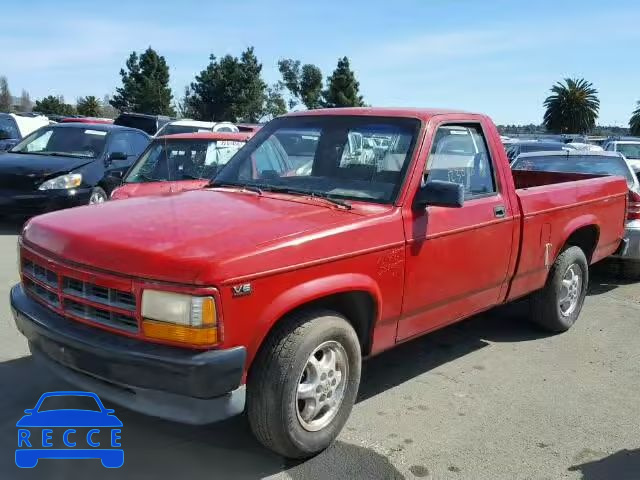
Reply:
x=69, y=433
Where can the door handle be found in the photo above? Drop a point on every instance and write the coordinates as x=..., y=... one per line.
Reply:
x=499, y=211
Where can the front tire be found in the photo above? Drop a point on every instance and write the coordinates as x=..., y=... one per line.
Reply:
x=557, y=306
x=304, y=383
x=98, y=195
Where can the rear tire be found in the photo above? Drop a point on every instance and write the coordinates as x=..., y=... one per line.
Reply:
x=303, y=383
x=557, y=306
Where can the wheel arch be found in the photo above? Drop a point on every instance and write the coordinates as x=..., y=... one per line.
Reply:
x=583, y=232
x=356, y=296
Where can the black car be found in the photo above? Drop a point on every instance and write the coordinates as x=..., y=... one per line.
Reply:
x=147, y=123
x=515, y=149
x=66, y=165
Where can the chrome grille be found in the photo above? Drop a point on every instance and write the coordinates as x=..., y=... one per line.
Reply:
x=99, y=315
x=38, y=272
x=42, y=293
x=80, y=299
x=108, y=297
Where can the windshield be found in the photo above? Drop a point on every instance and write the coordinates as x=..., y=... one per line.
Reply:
x=66, y=141
x=171, y=129
x=629, y=150
x=591, y=164
x=182, y=160
x=350, y=157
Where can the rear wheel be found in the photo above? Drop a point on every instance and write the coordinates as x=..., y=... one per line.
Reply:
x=557, y=306
x=304, y=383
x=98, y=195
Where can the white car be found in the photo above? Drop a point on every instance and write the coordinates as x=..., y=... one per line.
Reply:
x=16, y=126
x=589, y=147
x=195, y=126
x=629, y=148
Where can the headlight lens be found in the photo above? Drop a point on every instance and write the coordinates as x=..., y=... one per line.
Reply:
x=179, y=318
x=63, y=182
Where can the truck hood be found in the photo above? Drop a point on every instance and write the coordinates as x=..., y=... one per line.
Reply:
x=175, y=237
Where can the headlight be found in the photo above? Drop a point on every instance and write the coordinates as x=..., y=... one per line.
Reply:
x=70, y=180
x=179, y=318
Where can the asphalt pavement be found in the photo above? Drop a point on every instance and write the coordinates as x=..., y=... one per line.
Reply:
x=489, y=398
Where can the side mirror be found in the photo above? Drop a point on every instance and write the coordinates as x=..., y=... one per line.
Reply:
x=117, y=156
x=440, y=194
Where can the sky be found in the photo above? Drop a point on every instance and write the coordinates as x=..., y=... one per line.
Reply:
x=498, y=57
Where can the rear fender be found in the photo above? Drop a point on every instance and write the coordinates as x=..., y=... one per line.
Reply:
x=585, y=220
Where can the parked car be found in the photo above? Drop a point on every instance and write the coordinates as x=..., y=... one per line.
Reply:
x=515, y=149
x=195, y=126
x=629, y=147
x=147, y=123
x=65, y=165
x=86, y=120
x=249, y=127
x=609, y=163
x=267, y=289
x=15, y=126
x=177, y=163
x=584, y=146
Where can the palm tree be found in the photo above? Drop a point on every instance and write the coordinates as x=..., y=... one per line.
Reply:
x=572, y=107
x=634, y=123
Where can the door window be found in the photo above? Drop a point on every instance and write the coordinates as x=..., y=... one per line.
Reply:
x=459, y=154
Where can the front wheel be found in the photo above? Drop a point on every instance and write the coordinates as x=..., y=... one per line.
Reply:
x=98, y=195
x=557, y=306
x=304, y=383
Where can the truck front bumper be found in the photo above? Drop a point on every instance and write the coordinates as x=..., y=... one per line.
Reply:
x=631, y=250
x=172, y=383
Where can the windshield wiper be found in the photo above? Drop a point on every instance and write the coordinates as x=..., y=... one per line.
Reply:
x=150, y=179
x=186, y=176
x=310, y=193
x=242, y=186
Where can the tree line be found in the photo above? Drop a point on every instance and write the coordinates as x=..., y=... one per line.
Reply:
x=232, y=88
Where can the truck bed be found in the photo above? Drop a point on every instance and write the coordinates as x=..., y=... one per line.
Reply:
x=554, y=205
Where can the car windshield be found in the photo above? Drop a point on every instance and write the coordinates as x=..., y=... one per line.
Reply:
x=329, y=156
x=182, y=160
x=172, y=129
x=629, y=150
x=69, y=402
x=65, y=141
x=591, y=164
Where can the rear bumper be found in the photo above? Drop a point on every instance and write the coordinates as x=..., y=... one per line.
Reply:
x=33, y=203
x=631, y=249
x=172, y=383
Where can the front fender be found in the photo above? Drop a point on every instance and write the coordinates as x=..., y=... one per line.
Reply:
x=309, y=291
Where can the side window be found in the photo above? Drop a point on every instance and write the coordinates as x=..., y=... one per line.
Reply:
x=119, y=143
x=459, y=154
x=269, y=161
x=137, y=143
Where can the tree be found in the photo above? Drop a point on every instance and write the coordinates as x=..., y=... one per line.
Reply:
x=107, y=109
x=5, y=95
x=572, y=107
x=89, y=106
x=342, y=87
x=25, y=102
x=304, y=84
x=229, y=89
x=145, y=85
x=311, y=86
x=634, y=123
x=53, y=105
x=274, y=103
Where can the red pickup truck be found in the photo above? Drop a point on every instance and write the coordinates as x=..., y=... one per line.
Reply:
x=266, y=289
